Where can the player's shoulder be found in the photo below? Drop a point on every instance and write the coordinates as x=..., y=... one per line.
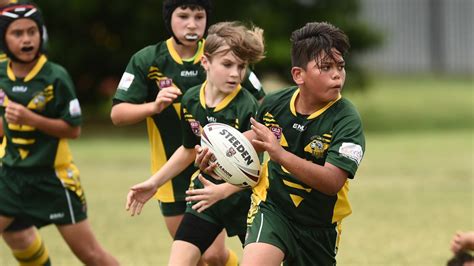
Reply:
x=346, y=107
x=192, y=94
x=149, y=53
x=280, y=96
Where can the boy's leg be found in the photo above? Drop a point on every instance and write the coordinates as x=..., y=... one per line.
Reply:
x=27, y=246
x=193, y=238
x=262, y=254
x=215, y=254
x=84, y=245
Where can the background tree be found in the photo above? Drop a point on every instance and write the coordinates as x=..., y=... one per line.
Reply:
x=94, y=39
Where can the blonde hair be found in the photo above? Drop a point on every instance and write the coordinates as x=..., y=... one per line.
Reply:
x=246, y=43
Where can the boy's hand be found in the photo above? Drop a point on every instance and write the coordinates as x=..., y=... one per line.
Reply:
x=266, y=140
x=207, y=196
x=165, y=97
x=138, y=195
x=16, y=113
x=202, y=161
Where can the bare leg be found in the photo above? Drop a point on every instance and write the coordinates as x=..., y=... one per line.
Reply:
x=27, y=246
x=262, y=254
x=4, y=223
x=84, y=245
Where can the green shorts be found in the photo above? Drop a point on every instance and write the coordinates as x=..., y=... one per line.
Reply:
x=230, y=213
x=302, y=245
x=42, y=196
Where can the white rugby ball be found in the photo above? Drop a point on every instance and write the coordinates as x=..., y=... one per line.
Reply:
x=237, y=161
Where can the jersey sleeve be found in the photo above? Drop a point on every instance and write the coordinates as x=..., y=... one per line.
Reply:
x=253, y=84
x=249, y=111
x=66, y=102
x=189, y=128
x=133, y=87
x=348, y=143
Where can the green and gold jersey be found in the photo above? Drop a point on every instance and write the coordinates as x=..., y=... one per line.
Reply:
x=332, y=134
x=140, y=83
x=48, y=91
x=235, y=110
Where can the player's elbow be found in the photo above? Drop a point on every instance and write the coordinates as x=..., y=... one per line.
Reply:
x=117, y=117
x=75, y=133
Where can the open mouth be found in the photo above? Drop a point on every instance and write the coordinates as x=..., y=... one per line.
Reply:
x=191, y=37
x=27, y=49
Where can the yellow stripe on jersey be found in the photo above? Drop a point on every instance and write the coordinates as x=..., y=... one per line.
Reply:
x=224, y=103
x=342, y=208
x=158, y=159
x=297, y=186
x=315, y=114
x=22, y=128
x=174, y=54
x=36, y=69
x=63, y=154
x=23, y=141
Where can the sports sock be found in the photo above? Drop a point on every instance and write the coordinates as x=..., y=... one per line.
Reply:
x=232, y=260
x=34, y=255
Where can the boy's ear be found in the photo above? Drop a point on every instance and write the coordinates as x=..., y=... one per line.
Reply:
x=297, y=73
x=205, y=62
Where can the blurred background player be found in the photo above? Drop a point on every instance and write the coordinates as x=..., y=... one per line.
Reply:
x=39, y=184
x=229, y=49
x=23, y=239
x=151, y=88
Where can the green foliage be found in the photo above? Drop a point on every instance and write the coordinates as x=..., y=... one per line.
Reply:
x=95, y=39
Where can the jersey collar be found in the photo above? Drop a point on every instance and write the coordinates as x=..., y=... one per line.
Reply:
x=36, y=69
x=315, y=114
x=223, y=104
x=174, y=54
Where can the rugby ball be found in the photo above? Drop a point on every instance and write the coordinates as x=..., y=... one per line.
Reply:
x=237, y=161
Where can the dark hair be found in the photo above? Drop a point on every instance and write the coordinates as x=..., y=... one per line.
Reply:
x=315, y=37
x=12, y=12
x=170, y=5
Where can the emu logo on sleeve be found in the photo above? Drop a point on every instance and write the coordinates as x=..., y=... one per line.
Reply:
x=74, y=108
x=351, y=151
x=126, y=81
x=195, y=127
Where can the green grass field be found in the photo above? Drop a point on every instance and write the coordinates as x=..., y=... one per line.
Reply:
x=413, y=191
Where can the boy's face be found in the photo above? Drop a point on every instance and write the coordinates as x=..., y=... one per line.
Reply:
x=188, y=25
x=224, y=70
x=23, y=39
x=323, y=78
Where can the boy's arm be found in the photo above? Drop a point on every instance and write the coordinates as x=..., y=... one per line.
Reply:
x=124, y=113
x=210, y=194
x=18, y=114
x=140, y=193
x=327, y=179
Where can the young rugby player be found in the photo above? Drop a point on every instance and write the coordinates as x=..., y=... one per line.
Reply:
x=39, y=184
x=151, y=89
x=315, y=142
x=229, y=48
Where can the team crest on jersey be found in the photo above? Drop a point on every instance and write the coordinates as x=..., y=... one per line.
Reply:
x=195, y=127
x=3, y=96
x=277, y=131
x=318, y=146
x=40, y=99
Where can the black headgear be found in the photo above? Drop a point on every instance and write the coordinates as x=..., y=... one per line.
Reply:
x=170, y=5
x=12, y=12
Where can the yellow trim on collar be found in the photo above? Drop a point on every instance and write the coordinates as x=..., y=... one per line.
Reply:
x=36, y=69
x=315, y=114
x=174, y=54
x=223, y=104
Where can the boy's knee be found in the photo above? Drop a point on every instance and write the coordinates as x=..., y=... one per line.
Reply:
x=215, y=258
